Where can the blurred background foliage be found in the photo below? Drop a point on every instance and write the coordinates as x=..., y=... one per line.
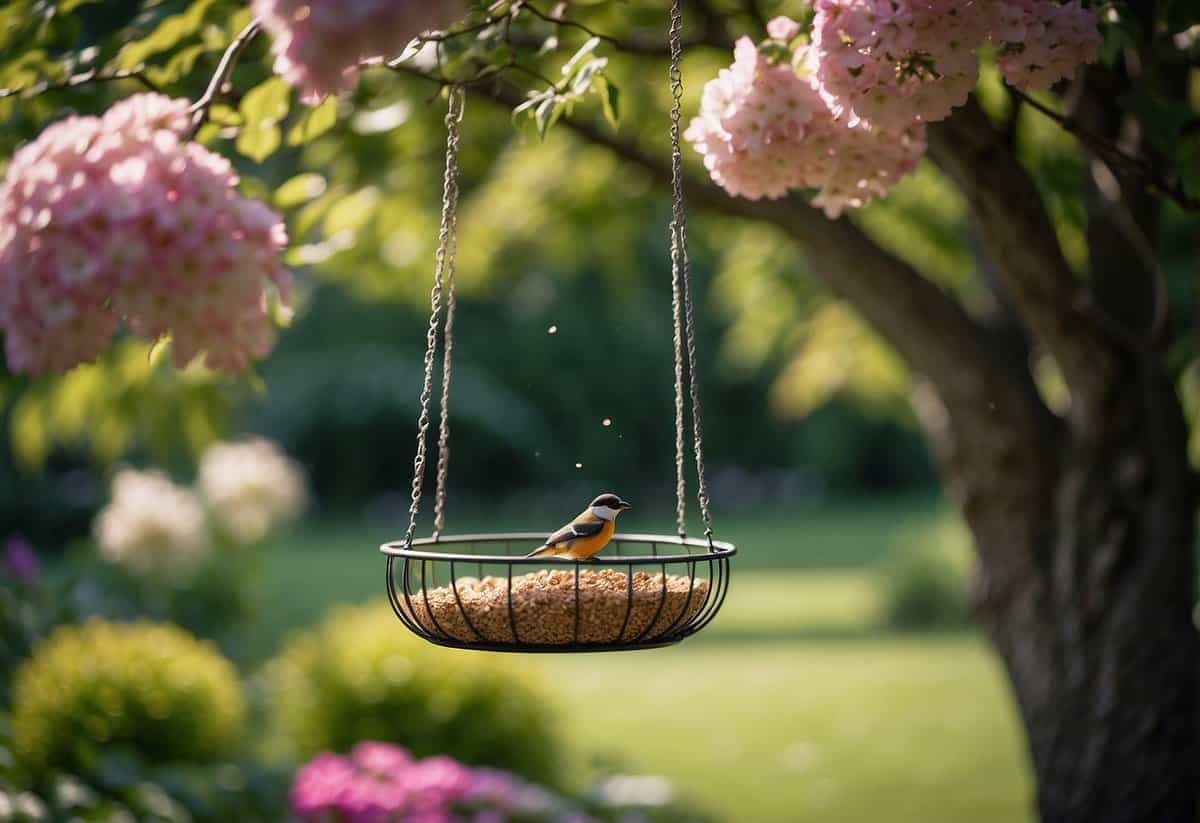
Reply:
x=563, y=292
x=564, y=313
x=563, y=323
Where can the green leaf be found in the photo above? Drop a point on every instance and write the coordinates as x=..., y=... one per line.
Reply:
x=262, y=108
x=259, y=143
x=547, y=114
x=165, y=36
x=180, y=64
x=353, y=211
x=610, y=99
x=577, y=58
x=586, y=73
x=315, y=122
x=300, y=189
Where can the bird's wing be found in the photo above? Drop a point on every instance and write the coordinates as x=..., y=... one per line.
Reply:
x=572, y=531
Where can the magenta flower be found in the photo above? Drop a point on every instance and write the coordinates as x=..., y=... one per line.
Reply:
x=380, y=758
x=381, y=783
x=20, y=561
x=321, y=785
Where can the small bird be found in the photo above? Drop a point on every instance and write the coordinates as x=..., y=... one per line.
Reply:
x=587, y=534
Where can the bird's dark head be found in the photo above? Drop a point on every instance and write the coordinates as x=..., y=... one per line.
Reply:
x=608, y=506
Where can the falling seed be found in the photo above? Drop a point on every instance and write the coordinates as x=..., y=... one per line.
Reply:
x=552, y=330
x=579, y=465
x=606, y=421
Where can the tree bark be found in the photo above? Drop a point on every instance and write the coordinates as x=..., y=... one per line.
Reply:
x=1098, y=641
x=1100, y=646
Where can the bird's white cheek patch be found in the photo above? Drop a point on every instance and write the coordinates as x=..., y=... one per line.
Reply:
x=603, y=512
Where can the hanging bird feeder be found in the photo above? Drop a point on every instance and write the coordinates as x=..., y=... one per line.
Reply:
x=480, y=591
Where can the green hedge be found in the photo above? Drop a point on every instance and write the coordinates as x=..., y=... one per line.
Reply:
x=925, y=587
x=151, y=689
x=360, y=675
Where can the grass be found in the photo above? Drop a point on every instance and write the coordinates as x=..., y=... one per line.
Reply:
x=793, y=705
x=912, y=730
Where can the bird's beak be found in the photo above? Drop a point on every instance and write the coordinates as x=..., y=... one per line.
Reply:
x=625, y=506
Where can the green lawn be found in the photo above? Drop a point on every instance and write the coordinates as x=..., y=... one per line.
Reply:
x=793, y=705
x=905, y=730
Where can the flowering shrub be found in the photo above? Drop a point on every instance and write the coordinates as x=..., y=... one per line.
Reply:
x=380, y=782
x=360, y=676
x=151, y=688
x=251, y=488
x=152, y=526
x=764, y=129
x=842, y=110
x=112, y=218
x=318, y=44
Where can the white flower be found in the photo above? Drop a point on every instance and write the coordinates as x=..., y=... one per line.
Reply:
x=251, y=487
x=151, y=525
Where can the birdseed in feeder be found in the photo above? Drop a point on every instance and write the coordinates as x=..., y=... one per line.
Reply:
x=543, y=607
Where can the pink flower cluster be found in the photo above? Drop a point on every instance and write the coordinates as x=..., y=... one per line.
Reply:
x=764, y=129
x=844, y=113
x=381, y=783
x=116, y=217
x=318, y=44
x=1042, y=41
x=892, y=62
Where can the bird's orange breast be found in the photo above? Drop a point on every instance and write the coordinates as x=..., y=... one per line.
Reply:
x=582, y=547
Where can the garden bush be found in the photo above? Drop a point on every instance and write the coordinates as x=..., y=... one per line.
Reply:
x=925, y=588
x=152, y=690
x=362, y=676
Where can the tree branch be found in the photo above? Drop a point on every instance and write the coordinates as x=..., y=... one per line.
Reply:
x=82, y=79
x=1113, y=154
x=220, y=79
x=1017, y=233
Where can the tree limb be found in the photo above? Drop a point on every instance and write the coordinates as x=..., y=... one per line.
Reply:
x=82, y=79
x=1110, y=152
x=216, y=86
x=1017, y=233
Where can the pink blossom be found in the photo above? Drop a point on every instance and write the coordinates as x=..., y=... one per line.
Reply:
x=783, y=28
x=765, y=129
x=115, y=218
x=318, y=44
x=321, y=785
x=1041, y=41
x=381, y=783
x=893, y=62
x=380, y=758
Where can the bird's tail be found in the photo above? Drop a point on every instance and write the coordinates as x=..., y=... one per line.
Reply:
x=543, y=550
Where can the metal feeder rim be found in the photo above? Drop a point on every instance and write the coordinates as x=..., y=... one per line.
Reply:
x=718, y=550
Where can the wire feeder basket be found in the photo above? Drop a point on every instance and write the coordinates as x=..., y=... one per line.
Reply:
x=645, y=591
x=472, y=592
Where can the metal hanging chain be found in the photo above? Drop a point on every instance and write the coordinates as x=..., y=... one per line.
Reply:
x=443, y=281
x=683, y=314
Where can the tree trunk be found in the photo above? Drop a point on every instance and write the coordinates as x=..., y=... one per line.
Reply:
x=1099, y=643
